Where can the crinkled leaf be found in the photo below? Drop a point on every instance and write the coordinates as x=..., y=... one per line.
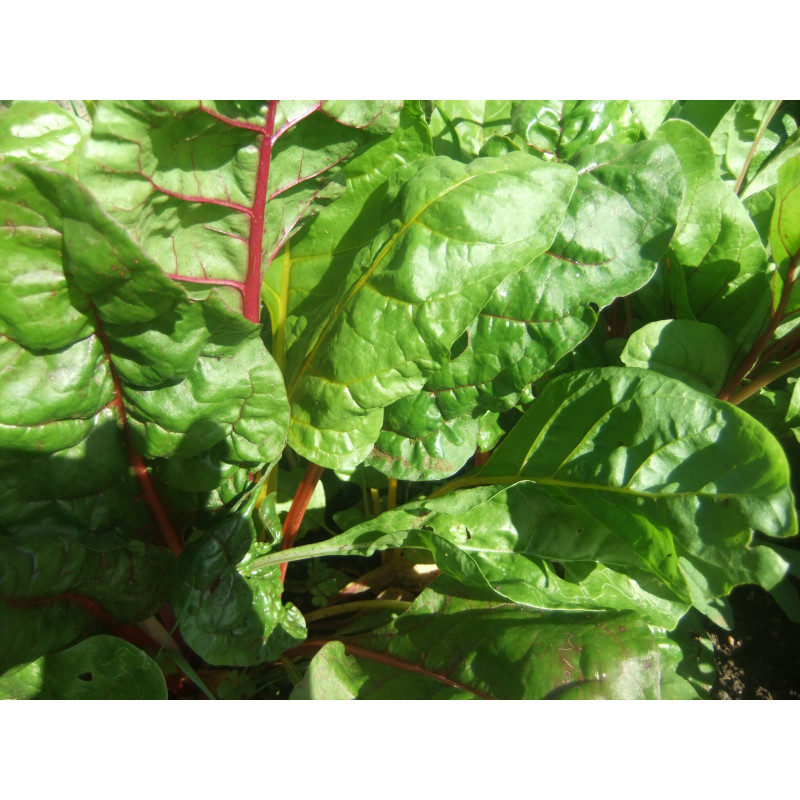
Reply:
x=215, y=382
x=452, y=646
x=458, y=231
x=229, y=611
x=558, y=128
x=136, y=369
x=695, y=353
x=192, y=180
x=46, y=579
x=607, y=246
x=40, y=132
x=684, y=478
x=98, y=668
x=461, y=128
x=303, y=281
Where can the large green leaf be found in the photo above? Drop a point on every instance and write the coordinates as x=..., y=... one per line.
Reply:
x=457, y=232
x=521, y=543
x=212, y=190
x=455, y=645
x=716, y=246
x=617, y=226
x=98, y=668
x=682, y=477
x=133, y=370
x=303, y=281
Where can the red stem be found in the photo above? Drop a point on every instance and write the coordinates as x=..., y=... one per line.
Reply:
x=252, y=287
x=291, y=524
x=758, y=348
x=137, y=463
x=127, y=632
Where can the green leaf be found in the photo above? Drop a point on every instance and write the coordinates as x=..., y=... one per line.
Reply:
x=607, y=246
x=458, y=231
x=98, y=668
x=716, y=245
x=652, y=460
x=228, y=609
x=40, y=132
x=189, y=178
x=449, y=645
x=561, y=128
x=51, y=586
x=784, y=232
x=461, y=128
x=520, y=543
x=695, y=353
x=303, y=281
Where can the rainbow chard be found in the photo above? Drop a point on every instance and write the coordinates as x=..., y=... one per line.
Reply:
x=500, y=343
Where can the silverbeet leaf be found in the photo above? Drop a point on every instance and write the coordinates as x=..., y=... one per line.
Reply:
x=230, y=611
x=519, y=543
x=136, y=370
x=451, y=644
x=684, y=478
x=457, y=232
x=617, y=225
x=212, y=190
x=98, y=668
x=693, y=352
x=51, y=587
x=716, y=249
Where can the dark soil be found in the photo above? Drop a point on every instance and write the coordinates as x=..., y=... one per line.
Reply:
x=760, y=658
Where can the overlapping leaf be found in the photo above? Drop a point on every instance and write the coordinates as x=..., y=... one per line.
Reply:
x=303, y=281
x=134, y=369
x=559, y=129
x=461, y=128
x=452, y=645
x=716, y=249
x=693, y=352
x=457, y=232
x=213, y=190
x=519, y=542
x=682, y=477
x=229, y=611
x=608, y=246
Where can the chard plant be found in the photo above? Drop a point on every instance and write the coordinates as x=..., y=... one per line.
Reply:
x=392, y=400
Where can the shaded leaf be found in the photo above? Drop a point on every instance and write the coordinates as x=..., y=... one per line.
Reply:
x=449, y=645
x=98, y=668
x=652, y=460
x=228, y=609
x=695, y=353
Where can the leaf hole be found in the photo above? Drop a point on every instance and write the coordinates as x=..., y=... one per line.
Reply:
x=86, y=677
